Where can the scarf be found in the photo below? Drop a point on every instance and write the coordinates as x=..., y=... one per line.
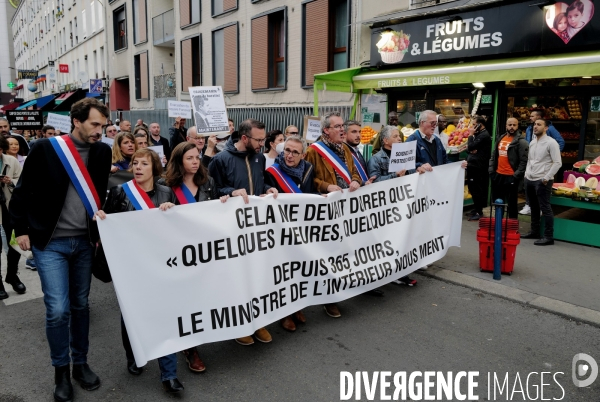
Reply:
x=294, y=172
x=337, y=148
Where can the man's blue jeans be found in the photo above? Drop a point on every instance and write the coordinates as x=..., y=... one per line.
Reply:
x=65, y=269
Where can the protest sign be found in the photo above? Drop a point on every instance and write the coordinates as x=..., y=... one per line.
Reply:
x=210, y=113
x=312, y=128
x=180, y=109
x=108, y=141
x=403, y=156
x=24, y=119
x=228, y=269
x=59, y=122
x=160, y=151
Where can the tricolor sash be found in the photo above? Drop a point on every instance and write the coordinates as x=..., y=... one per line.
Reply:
x=184, y=195
x=283, y=179
x=361, y=172
x=336, y=163
x=138, y=197
x=77, y=171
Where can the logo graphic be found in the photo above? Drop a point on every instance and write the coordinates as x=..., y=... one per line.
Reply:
x=393, y=46
x=579, y=370
x=567, y=20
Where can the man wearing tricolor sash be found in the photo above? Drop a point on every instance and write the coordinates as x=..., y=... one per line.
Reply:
x=70, y=174
x=334, y=167
x=352, y=140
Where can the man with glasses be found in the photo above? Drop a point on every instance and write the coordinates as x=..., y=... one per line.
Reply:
x=199, y=140
x=334, y=167
x=291, y=130
x=111, y=132
x=238, y=171
x=430, y=150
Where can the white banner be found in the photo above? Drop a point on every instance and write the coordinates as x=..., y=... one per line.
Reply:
x=226, y=270
x=59, y=122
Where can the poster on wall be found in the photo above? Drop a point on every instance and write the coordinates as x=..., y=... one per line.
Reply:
x=373, y=111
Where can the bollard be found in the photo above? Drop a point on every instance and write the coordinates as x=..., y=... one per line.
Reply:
x=499, y=204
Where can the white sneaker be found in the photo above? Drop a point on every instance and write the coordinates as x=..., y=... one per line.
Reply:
x=526, y=210
x=424, y=268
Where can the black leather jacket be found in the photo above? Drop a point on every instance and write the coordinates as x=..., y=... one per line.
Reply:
x=117, y=200
x=206, y=192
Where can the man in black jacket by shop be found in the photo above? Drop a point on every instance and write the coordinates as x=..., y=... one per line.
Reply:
x=479, y=147
x=62, y=235
x=507, y=166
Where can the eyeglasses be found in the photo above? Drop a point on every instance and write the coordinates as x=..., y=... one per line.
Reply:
x=257, y=140
x=293, y=133
x=294, y=153
x=432, y=123
x=197, y=138
x=337, y=126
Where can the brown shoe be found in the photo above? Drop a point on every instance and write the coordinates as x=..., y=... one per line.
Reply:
x=332, y=310
x=263, y=335
x=300, y=317
x=288, y=324
x=193, y=360
x=245, y=340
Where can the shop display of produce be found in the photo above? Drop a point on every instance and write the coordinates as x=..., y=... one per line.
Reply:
x=580, y=165
x=366, y=134
x=579, y=189
x=570, y=135
x=574, y=109
x=457, y=138
x=556, y=112
x=569, y=154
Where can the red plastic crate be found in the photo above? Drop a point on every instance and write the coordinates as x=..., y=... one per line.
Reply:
x=486, y=250
x=513, y=224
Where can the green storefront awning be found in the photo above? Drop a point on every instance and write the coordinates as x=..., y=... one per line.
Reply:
x=524, y=68
x=337, y=81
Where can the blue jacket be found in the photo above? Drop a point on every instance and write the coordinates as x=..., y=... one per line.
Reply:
x=423, y=155
x=552, y=132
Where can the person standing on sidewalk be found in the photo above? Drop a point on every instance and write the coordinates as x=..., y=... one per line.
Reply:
x=543, y=163
x=529, y=135
x=507, y=166
x=177, y=133
x=479, y=147
x=70, y=173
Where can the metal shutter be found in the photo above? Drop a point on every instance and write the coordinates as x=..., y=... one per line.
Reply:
x=186, y=65
x=229, y=5
x=316, y=39
x=230, y=74
x=260, y=52
x=184, y=13
x=144, y=83
x=142, y=29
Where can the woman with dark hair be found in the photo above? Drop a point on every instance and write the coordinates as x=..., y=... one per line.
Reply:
x=122, y=150
x=14, y=150
x=274, y=137
x=138, y=194
x=189, y=180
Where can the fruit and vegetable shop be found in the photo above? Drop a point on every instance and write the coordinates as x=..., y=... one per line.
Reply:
x=499, y=59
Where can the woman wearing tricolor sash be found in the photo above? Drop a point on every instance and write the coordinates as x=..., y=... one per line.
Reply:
x=189, y=180
x=135, y=195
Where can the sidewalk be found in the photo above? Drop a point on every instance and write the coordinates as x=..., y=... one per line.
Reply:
x=563, y=279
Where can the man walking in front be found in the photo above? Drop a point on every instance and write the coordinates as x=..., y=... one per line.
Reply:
x=70, y=173
x=238, y=171
x=542, y=164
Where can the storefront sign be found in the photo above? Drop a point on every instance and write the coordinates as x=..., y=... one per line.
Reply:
x=63, y=68
x=507, y=29
x=24, y=119
x=486, y=99
x=27, y=74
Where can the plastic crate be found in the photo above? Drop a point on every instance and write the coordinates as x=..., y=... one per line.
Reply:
x=486, y=250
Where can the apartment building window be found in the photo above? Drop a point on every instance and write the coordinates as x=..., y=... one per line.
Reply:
x=142, y=83
x=191, y=63
x=269, y=50
x=140, y=30
x=83, y=25
x=225, y=57
x=325, y=47
x=223, y=6
x=189, y=12
x=120, y=28
x=93, y=15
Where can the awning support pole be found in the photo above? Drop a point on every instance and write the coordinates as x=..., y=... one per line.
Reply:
x=316, y=98
x=356, y=98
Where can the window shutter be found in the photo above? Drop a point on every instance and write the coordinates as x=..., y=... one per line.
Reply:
x=229, y=4
x=144, y=85
x=184, y=13
x=316, y=39
x=186, y=65
x=231, y=59
x=260, y=52
x=142, y=32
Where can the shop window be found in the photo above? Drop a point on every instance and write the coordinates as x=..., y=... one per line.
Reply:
x=269, y=51
x=140, y=30
x=223, y=6
x=142, y=84
x=191, y=66
x=189, y=12
x=325, y=37
x=225, y=58
x=120, y=28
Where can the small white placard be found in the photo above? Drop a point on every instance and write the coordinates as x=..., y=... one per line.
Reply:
x=59, y=122
x=160, y=151
x=403, y=156
x=312, y=128
x=108, y=141
x=180, y=109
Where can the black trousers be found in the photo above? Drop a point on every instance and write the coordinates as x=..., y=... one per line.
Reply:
x=13, y=256
x=539, y=199
x=507, y=189
x=477, y=181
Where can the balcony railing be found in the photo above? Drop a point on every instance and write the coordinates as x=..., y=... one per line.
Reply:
x=163, y=29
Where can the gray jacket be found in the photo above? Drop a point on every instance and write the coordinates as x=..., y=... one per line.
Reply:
x=379, y=165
